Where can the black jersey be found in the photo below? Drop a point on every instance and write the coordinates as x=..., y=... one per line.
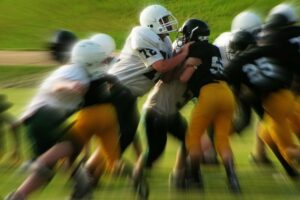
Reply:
x=287, y=41
x=261, y=69
x=211, y=69
x=99, y=90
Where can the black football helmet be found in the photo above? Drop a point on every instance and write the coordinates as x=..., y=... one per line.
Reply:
x=240, y=41
x=60, y=45
x=194, y=30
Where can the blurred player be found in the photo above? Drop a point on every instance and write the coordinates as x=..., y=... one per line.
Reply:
x=246, y=21
x=136, y=143
x=60, y=95
x=162, y=116
x=7, y=120
x=147, y=54
x=267, y=69
x=203, y=73
x=245, y=28
x=60, y=45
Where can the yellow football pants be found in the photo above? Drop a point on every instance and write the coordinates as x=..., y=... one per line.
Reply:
x=100, y=121
x=295, y=119
x=216, y=106
x=278, y=108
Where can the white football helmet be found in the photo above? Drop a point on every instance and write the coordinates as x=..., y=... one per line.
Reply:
x=90, y=55
x=106, y=41
x=246, y=20
x=281, y=15
x=159, y=19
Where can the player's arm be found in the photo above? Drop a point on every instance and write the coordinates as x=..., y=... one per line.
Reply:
x=189, y=67
x=168, y=64
x=69, y=86
x=171, y=75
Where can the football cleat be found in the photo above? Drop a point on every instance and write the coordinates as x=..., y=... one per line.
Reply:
x=141, y=187
x=83, y=187
x=177, y=180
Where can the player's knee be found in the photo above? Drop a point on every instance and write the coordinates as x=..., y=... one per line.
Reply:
x=41, y=170
x=154, y=154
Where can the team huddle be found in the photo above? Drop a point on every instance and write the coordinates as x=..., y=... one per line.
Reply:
x=255, y=66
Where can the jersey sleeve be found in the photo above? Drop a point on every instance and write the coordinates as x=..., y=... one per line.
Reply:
x=71, y=73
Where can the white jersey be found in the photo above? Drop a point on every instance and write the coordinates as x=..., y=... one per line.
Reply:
x=168, y=98
x=222, y=42
x=64, y=101
x=134, y=69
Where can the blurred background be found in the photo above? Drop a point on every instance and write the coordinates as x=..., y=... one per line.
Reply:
x=25, y=28
x=25, y=25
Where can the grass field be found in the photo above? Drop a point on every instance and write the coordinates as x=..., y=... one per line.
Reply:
x=257, y=182
x=27, y=24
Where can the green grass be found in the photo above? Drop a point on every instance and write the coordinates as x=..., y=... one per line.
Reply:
x=12, y=72
x=22, y=76
x=258, y=183
x=27, y=24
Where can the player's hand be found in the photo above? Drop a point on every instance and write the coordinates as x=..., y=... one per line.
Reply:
x=185, y=48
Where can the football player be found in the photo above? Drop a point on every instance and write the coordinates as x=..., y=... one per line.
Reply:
x=162, y=116
x=203, y=73
x=147, y=54
x=60, y=45
x=247, y=21
x=268, y=69
x=59, y=96
x=245, y=28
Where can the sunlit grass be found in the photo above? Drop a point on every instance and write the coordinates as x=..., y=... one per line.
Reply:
x=258, y=183
x=28, y=24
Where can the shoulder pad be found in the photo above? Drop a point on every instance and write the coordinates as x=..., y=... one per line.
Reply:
x=143, y=37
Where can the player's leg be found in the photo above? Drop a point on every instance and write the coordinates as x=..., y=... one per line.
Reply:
x=259, y=154
x=242, y=116
x=128, y=116
x=42, y=167
x=44, y=131
x=89, y=121
x=279, y=106
x=178, y=127
x=208, y=147
x=295, y=118
x=266, y=137
x=223, y=130
x=156, y=132
x=201, y=118
x=108, y=151
x=45, y=128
